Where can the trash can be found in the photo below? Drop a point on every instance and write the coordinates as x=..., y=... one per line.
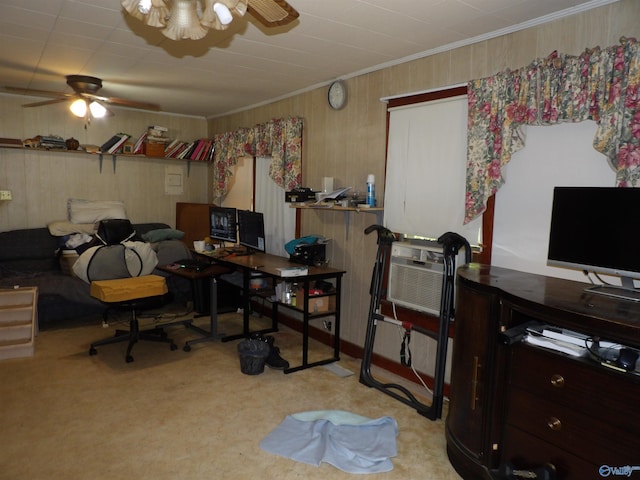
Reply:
x=253, y=354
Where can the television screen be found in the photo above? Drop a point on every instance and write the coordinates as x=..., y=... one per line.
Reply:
x=251, y=230
x=593, y=229
x=222, y=222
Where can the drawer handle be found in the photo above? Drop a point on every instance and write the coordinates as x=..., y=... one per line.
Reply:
x=557, y=381
x=474, y=382
x=554, y=424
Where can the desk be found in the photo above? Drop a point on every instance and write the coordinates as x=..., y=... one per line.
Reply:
x=211, y=272
x=268, y=265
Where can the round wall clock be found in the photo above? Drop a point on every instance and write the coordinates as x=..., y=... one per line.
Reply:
x=337, y=95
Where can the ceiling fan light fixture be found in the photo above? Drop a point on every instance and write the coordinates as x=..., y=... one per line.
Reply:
x=79, y=107
x=223, y=13
x=218, y=14
x=183, y=22
x=97, y=110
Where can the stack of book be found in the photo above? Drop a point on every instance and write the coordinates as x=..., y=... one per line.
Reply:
x=156, y=141
x=52, y=141
x=114, y=144
x=200, y=150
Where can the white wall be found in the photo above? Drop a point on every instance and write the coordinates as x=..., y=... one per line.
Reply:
x=558, y=155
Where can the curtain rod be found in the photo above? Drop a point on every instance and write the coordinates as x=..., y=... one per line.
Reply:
x=421, y=92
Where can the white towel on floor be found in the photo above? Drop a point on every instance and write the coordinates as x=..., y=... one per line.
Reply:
x=349, y=442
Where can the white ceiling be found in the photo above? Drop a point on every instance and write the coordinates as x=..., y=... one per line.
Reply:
x=246, y=65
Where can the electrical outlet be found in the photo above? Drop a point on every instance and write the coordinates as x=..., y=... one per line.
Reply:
x=5, y=194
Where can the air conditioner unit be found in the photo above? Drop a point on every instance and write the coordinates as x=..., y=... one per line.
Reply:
x=415, y=279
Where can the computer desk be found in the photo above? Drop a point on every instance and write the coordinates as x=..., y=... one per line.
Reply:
x=267, y=265
x=212, y=272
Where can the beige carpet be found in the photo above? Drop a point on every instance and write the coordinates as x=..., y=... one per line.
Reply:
x=177, y=415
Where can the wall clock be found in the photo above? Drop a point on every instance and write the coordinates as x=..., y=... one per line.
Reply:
x=337, y=95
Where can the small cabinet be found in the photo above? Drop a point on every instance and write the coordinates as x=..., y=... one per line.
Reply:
x=18, y=317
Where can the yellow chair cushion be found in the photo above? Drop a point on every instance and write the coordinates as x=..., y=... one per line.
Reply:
x=122, y=289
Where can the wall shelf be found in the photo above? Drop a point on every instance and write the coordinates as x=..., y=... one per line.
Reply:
x=101, y=155
x=378, y=211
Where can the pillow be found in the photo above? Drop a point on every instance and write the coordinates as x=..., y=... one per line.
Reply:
x=162, y=234
x=92, y=211
x=60, y=228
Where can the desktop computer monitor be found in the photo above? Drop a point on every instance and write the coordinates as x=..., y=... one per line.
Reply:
x=223, y=224
x=251, y=230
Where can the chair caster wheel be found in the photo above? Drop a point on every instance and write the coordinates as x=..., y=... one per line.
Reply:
x=93, y=351
x=128, y=359
x=186, y=348
x=173, y=347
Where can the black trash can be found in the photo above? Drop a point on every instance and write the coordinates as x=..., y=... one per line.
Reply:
x=253, y=354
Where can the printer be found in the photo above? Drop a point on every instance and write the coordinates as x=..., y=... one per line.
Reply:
x=309, y=253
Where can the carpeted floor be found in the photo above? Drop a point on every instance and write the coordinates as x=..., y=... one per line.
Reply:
x=178, y=415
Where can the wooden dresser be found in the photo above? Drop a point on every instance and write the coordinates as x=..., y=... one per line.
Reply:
x=529, y=405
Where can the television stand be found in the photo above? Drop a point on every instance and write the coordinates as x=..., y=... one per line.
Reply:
x=615, y=291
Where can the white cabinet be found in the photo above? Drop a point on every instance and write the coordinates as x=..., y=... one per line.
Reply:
x=18, y=317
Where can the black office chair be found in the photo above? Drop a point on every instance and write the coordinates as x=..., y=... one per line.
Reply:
x=114, y=272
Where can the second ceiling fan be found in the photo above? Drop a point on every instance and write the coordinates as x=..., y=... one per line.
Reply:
x=190, y=19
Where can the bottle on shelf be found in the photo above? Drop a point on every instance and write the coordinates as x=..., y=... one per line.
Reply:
x=371, y=190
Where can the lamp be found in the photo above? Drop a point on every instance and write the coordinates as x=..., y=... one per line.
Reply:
x=79, y=108
x=185, y=19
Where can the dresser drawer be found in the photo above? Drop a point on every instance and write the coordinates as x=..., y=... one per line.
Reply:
x=591, y=438
x=580, y=384
x=526, y=452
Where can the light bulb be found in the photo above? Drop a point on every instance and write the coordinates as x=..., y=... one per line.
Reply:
x=97, y=110
x=79, y=108
x=223, y=13
x=144, y=6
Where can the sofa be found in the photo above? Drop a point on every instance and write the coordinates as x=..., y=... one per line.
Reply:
x=31, y=257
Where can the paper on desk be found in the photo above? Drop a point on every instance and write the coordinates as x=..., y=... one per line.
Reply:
x=335, y=194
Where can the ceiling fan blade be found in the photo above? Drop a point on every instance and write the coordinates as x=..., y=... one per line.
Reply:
x=45, y=102
x=272, y=13
x=123, y=102
x=37, y=93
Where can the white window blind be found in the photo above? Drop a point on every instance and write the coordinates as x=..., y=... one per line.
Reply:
x=426, y=170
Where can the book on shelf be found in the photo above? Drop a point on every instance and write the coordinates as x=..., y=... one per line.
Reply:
x=118, y=145
x=292, y=271
x=187, y=151
x=198, y=148
x=170, y=146
x=204, y=155
x=159, y=128
x=106, y=146
x=138, y=147
x=10, y=142
x=171, y=151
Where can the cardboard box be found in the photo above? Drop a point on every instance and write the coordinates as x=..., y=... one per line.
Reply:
x=154, y=149
x=317, y=303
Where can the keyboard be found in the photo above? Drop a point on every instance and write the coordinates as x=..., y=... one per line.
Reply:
x=191, y=264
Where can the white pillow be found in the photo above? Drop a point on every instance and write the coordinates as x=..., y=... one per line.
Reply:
x=60, y=228
x=91, y=211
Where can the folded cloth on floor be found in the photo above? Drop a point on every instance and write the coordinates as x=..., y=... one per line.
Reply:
x=349, y=442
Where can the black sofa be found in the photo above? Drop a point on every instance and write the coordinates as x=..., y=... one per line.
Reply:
x=28, y=258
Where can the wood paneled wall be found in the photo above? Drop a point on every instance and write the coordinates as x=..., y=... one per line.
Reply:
x=41, y=182
x=350, y=143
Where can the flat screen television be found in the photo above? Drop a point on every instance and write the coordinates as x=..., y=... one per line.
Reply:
x=222, y=224
x=251, y=230
x=594, y=229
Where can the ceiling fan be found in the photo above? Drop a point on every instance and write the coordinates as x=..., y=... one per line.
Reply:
x=85, y=90
x=189, y=19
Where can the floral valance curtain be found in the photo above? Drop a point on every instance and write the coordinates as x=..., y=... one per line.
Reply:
x=281, y=139
x=600, y=85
